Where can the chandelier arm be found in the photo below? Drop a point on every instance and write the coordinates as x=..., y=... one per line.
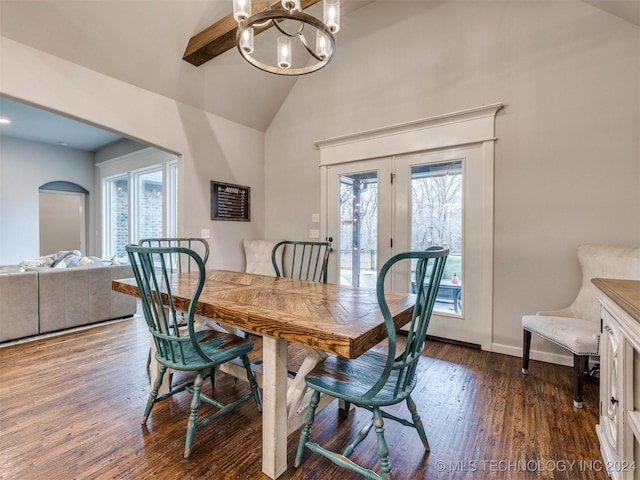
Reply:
x=284, y=32
x=303, y=40
x=261, y=25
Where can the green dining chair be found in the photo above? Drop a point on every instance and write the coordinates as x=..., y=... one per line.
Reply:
x=301, y=260
x=379, y=379
x=184, y=348
x=179, y=262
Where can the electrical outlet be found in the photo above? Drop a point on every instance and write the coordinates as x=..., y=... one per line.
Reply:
x=314, y=233
x=205, y=233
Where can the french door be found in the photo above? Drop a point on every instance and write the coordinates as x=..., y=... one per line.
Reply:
x=360, y=212
x=376, y=208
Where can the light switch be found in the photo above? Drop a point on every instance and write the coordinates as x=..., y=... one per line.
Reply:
x=205, y=233
x=315, y=218
x=314, y=233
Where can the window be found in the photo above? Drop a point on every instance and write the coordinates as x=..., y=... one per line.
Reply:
x=374, y=222
x=116, y=216
x=436, y=219
x=149, y=202
x=139, y=204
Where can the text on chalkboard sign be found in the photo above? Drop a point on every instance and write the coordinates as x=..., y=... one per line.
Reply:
x=230, y=202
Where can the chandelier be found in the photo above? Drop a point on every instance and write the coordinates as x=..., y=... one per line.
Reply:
x=304, y=44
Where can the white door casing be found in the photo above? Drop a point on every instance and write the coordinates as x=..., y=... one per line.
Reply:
x=468, y=135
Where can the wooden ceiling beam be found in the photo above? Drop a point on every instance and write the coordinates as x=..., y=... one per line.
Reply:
x=221, y=36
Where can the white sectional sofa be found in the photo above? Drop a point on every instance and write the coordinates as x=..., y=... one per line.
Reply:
x=44, y=299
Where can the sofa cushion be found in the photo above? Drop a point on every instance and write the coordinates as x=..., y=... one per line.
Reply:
x=18, y=305
x=72, y=297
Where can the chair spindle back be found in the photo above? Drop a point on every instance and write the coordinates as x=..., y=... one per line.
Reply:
x=179, y=262
x=302, y=260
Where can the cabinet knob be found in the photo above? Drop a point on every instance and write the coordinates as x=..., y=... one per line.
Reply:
x=613, y=400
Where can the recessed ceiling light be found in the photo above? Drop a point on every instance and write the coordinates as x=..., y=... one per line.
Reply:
x=63, y=144
x=4, y=121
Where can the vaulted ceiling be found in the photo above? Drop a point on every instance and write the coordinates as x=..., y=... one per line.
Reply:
x=142, y=42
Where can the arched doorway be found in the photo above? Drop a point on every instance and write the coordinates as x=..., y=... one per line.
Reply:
x=62, y=216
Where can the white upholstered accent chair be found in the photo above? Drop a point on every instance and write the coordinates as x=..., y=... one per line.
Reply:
x=258, y=256
x=577, y=327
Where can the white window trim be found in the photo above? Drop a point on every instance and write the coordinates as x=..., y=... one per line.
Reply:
x=132, y=166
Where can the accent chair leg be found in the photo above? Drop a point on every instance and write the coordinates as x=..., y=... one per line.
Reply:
x=526, y=349
x=579, y=363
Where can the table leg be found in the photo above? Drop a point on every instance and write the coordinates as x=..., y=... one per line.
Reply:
x=297, y=388
x=274, y=407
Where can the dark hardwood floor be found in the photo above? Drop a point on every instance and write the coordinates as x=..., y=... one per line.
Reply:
x=71, y=405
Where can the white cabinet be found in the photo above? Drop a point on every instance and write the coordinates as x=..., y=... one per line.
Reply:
x=619, y=426
x=610, y=428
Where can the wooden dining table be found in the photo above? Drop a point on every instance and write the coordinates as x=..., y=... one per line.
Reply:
x=321, y=317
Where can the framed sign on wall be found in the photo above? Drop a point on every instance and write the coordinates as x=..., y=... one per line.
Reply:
x=230, y=202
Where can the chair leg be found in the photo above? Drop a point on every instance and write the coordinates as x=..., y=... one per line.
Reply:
x=252, y=382
x=212, y=378
x=154, y=393
x=417, y=422
x=306, y=430
x=526, y=349
x=579, y=366
x=362, y=434
x=192, y=424
x=383, y=450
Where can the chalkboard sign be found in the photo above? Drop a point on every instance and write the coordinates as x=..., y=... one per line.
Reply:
x=229, y=202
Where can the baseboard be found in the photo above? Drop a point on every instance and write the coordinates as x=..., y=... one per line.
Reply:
x=58, y=333
x=555, y=358
x=454, y=342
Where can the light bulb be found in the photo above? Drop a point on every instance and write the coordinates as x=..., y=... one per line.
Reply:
x=322, y=46
x=246, y=40
x=284, y=52
x=241, y=10
x=331, y=10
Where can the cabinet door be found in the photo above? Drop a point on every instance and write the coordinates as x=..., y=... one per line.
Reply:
x=610, y=431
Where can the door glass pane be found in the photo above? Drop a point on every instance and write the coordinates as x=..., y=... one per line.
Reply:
x=358, y=229
x=436, y=219
x=118, y=215
x=150, y=221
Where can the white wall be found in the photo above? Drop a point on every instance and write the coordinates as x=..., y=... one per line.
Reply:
x=208, y=147
x=24, y=167
x=567, y=164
